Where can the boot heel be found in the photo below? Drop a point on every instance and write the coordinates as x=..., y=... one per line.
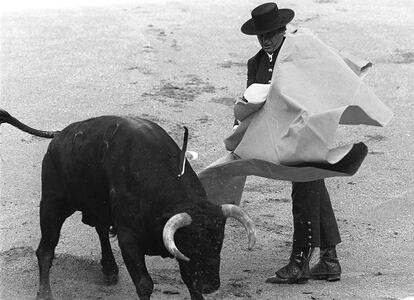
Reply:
x=319, y=277
x=298, y=280
x=302, y=280
x=332, y=278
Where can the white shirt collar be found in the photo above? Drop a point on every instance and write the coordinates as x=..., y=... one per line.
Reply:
x=270, y=56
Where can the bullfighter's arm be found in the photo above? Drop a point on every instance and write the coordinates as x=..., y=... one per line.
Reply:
x=251, y=78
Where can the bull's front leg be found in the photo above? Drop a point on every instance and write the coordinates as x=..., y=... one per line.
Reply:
x=134, y=258
x=195, y=295
x=109, y=266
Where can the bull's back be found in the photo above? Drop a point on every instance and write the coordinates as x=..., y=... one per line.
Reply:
x=90, y=154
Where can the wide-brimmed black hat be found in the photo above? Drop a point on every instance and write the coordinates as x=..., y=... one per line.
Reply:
x=267, y=17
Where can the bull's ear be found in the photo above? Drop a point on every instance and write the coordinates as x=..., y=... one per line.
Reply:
x=173, y=224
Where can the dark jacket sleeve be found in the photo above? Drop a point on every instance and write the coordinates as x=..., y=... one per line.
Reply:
x=251, y=76
x=251, y=71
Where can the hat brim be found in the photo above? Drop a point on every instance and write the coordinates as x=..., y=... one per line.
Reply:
x=286, y=15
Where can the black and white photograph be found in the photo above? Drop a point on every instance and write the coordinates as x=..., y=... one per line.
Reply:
x=171, y=149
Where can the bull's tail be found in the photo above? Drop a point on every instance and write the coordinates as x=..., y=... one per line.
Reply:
x=182, y=154
x=5, y=117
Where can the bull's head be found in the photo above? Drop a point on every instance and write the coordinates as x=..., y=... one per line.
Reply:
x=201, y=240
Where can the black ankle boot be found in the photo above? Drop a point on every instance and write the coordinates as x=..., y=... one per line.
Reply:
x=328, y=267
x=296, y=271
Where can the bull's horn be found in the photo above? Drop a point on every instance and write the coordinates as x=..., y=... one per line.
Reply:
x=175, y=222
x=233, y=211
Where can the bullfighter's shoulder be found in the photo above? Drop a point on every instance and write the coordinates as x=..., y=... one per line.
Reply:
x=255, y=58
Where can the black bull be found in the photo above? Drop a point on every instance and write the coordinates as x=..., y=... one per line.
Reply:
x=123, y=175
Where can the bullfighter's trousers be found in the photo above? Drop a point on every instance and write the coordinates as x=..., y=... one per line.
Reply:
x=314, y=221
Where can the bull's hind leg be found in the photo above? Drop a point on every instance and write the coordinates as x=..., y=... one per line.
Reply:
x=53, y=212
x=134, y=259
x=52, y=216
x=109, y=267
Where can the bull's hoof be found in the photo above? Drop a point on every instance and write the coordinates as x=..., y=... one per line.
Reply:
x=111, y=279
x=196, y=296
x=44, y=296
x=110, y=271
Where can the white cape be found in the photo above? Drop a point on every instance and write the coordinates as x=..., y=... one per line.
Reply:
x=288, y=136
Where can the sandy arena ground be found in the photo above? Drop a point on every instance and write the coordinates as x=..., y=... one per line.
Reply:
x=184, y=62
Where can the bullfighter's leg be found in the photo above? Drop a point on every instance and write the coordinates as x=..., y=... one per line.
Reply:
x=330, y=236
x=328, y=266
x=306, y=232
x=109, y=266
x=134, y=258
x=52, y=216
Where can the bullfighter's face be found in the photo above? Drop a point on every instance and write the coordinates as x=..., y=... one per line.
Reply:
x=270, y=41
x=202, y=243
